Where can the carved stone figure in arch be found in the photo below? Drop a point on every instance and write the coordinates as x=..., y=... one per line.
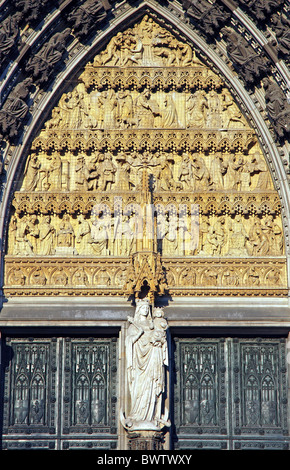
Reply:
x=197, y=106
x=273, y=277
x=216, y=238
x=170, y=117
x=218, y=170
x=277, y=106
x=235, y=167
x=103, y=278
x=54, y=172
x=230, y=277
x=231, y=113
x=15, y=109
x=125, y=110
x=87, y=16
x=38, y=277
x=23, y=245
x=41, y=65
x=281, y=26
x=209, y=16
x=83, y=236
x=9, y=31
x=252, y=277
x=80, y=278
x=31, y=173
x=210, y=277
x=46, y=237
x=110, y=52
x=106, y=172
x=238, y=238
x=165, y=178
x=187, y=277
x=17, y=277
x=33, y=232
x=65, y=234
x=185, y=174
x=214, y=109
x=81, y=174
x=100, y=236
x=147, y=109
x=60, y=277
x=259, y=166
x=110, y=127
x=146, y=358
x=251, y=65
x=274, y=233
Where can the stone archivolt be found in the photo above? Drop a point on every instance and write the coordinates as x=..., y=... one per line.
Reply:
x=146, y=107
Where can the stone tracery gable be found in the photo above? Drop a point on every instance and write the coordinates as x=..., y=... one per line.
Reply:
x=146, y=106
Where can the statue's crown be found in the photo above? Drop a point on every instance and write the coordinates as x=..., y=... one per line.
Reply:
x=144, y=301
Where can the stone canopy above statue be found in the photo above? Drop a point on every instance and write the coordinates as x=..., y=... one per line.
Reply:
x=146, y=123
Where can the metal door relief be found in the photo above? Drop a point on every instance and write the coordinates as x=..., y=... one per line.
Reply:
x=230, y=393
x=60, y=393
x=259, y=392
x=200, y=390
x=90, y=390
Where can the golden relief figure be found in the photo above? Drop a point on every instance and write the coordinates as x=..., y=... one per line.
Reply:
x=146, y=125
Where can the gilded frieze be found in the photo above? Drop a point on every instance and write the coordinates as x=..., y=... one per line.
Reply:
x=146, y=171
x=265, y=276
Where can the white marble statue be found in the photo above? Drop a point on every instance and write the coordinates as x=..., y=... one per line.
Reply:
x=146, y=358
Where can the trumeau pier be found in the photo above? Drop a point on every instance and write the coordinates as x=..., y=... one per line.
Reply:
x=145, y=225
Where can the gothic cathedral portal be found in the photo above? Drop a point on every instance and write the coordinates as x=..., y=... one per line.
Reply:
x=145, y=201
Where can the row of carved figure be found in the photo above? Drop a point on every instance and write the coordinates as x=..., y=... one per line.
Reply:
x=129, y=45
x=195, y=276
x=128, y=109
x=103, y=236
x=146, y=44
x=122, y=172
x=201, y=111
x=212, y=17
x=82, y=19
x=42, y=66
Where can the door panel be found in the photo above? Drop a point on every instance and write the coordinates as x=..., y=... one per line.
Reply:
x=259, y=387
x=60, y=393
x=89, y=387
x=229, y=390
x=202, y=387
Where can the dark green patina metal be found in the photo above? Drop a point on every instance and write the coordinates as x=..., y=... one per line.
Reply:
x=230, y=393
x=60, y=393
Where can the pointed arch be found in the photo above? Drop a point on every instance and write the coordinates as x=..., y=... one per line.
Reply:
x=81, y=53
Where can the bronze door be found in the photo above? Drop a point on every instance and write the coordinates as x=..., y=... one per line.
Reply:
x=59, y=393
x=230, y=393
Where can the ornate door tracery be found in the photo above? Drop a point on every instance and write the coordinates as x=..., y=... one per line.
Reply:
x=230, y=393
x=60, y=393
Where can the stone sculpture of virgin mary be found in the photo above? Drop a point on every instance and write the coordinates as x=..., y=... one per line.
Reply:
x=146, y=358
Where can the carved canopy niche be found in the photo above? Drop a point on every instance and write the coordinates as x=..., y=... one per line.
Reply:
x=146, y=123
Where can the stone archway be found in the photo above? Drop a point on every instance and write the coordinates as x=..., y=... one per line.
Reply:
x=126, y=14
x=248, y=283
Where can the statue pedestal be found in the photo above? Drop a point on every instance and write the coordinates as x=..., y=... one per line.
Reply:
x=145, y=440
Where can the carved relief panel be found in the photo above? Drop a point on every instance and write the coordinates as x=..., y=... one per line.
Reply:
x=146, y=107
